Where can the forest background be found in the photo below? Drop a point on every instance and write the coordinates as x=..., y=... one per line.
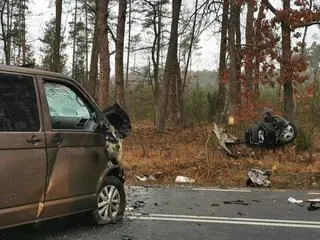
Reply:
x=178, y=66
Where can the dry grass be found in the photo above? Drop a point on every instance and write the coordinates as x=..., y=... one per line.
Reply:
x=183, y=153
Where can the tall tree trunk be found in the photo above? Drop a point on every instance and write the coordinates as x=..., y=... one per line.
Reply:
x=155, y=54
x=238, y=53
x=87, y=45
x=9, y=34
x=173, y=106
x=129, y=45
x=172, y=69
x=22, y=34
x=4, y=37
x=104, y=80
x=220, y=103
x=176, y=91
x=74, y=38
x=249, y=50
x=93, y=75
x=6, y=30
x=119, y=81
x=285, y=64
x=257, y=57
x=57, y=40
x=180, y=115
x=24, y=50
x=232, y=98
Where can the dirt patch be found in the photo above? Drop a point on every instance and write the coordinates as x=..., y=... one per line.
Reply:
x=183, y=153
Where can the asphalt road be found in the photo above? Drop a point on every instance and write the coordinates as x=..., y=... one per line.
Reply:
x=192, y=213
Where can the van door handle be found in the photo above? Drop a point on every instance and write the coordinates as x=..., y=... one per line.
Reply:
x=33, y=140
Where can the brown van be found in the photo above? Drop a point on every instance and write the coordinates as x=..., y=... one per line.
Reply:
x=53, y=156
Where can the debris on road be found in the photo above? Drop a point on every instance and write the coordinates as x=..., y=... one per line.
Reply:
x=183, y=179
x=214, y=204
x=135, y=205
x=139, y=203
x=240, y=202
x=293, y=200
x=258, y=178
x=313, y=203
x=130, y=209
x=241, y=214
x=152, y=177
x=126, y=238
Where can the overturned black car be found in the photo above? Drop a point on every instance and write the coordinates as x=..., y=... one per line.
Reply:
x=273, y=132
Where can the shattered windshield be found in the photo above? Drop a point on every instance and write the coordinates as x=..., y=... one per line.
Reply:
x=62, y=101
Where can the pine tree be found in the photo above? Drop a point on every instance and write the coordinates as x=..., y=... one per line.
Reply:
x=48, y=42
x=13, y=32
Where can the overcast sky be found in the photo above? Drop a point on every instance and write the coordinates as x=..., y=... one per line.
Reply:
x=205, y=58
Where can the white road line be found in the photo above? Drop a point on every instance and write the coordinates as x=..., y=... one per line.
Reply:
x=221, y=189
x=313, y=193
x=224, y=222
x=156, y=215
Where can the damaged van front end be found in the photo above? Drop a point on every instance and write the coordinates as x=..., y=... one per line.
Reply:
x=119, y=128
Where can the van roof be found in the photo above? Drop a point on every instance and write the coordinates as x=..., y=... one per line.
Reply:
x=33, y=71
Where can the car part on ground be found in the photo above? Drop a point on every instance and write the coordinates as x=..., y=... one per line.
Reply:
x=258, y=178
x=314, y=204
x=293, y=200
x=184, y=179
x=231, y=145
x=151, y=177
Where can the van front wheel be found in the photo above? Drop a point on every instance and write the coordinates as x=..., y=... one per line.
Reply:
x=110, y=203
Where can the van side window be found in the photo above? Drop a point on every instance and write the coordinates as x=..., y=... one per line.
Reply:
x=18, y=104
x=66, y=107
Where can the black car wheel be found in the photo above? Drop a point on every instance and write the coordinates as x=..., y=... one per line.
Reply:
x=288, y=133
x=110, y=203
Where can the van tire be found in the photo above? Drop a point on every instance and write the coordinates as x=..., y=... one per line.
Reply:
x=110, y=202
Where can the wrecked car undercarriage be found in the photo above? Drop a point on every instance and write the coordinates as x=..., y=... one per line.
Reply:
x=273, y=132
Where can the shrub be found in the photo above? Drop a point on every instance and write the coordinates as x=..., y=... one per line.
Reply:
x=304, y=140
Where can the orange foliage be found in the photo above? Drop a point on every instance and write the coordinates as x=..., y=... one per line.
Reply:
x=183, y=153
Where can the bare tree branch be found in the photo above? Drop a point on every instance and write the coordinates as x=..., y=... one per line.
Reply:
x=295, y=25
x=270, y=7
x=112, y=34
